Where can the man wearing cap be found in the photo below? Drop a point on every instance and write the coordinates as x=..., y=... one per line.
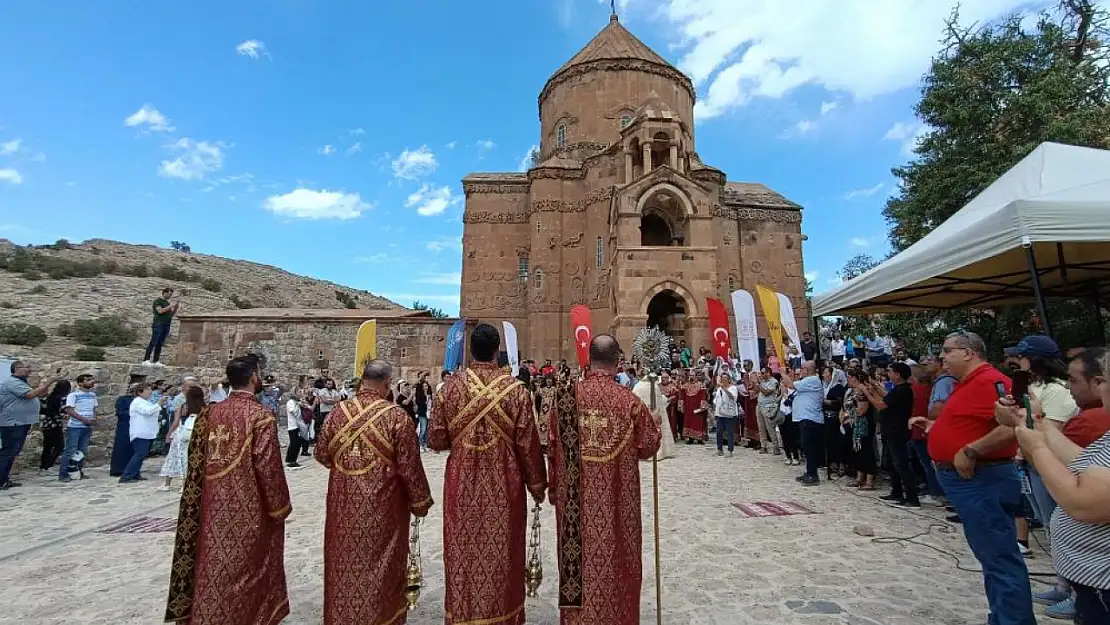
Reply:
x=974, y=460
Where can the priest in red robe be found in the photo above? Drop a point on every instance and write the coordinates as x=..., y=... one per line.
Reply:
x=695, y=402
x=484, y=416
x=598, y=434
x=376, y=482
x=228, y=560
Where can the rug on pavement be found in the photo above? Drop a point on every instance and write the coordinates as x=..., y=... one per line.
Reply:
x=771, y=508
x=140, y=525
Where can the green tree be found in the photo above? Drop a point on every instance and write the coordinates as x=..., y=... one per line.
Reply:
x=995, y=92
x=435, y=312
x=857, y=266
x=534, y=157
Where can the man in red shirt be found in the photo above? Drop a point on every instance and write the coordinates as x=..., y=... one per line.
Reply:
x=974, y=460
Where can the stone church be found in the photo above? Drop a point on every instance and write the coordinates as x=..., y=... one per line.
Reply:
x=620, y=213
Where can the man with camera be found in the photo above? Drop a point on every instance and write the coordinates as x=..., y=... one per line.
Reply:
x=164, y=309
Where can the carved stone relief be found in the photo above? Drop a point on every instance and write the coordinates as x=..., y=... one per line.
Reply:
x=578, y=290
x=758, y=214
x=574, y=241
x=487, y=217
x=479, y=187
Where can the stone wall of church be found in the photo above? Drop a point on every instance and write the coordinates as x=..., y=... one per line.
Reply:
x=769, y=252
x=297, y=351
x=591, y=104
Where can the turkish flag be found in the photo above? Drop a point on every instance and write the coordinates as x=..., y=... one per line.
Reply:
x=583, y=331
x=718, y=327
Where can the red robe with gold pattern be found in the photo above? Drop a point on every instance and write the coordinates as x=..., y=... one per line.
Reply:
x=694, y=417
x=228, y=566
x=376, y=482
x=673, y=392
x=485, y=417
x=616, y=431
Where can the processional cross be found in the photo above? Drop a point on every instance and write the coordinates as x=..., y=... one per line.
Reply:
x=217, y=439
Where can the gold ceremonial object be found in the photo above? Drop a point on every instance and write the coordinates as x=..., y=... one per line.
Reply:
x=533, y=572
x=414, y=578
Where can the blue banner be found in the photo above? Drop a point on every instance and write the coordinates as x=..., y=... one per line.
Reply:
x=452, y=357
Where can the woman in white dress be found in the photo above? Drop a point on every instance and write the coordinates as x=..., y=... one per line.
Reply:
x=177, y=458
x=643, y=391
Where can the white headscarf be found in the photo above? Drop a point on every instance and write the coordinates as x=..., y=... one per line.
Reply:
x=838, y=377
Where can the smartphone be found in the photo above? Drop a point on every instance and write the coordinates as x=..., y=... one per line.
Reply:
x=1020, y=386
x=1029, y=423
x=1000, y=388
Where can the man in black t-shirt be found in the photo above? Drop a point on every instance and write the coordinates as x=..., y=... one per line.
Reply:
x=895, y=409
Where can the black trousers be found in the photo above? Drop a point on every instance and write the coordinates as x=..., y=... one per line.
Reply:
x=790, y=442
x=296, y=444
x=53, y=442
x=896, y=460
x=813, y=445
x=679, y=422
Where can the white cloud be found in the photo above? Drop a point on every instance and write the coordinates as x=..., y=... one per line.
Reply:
x=908, y=133
x=445, y=243
x=196, y=159
x=39, y=158
x=414, y=164
x=526, y=162
x=149, y=119
x=828, y=107
x=804, y=126
x=71, y=184
x=356, y=132
x=10, y=147
x=309, y=204
x=10, y=176
x=484, y=146
x=736, y=50
x=253, y=48
x=859, y=242
x=452, y=145
x=355, y=148
x=812, y=276
x=327, y=150
x=431, y=200
x=373, y=259
x=449, y=278
x=868, y=192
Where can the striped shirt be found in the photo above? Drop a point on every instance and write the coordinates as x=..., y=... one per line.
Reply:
x=1081, y=551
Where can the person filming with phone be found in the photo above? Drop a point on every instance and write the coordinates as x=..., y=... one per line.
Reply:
x=1077, y=479
x=974, y=457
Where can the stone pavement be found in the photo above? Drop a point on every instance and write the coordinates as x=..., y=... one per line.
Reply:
x=720, y=566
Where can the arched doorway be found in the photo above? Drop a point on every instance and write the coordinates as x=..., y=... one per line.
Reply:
x=655, y=231
x=667, y=311
x=663, y=217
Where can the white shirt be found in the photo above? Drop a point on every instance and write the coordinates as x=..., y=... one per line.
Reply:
x=144, y=419
x=218, y=394
x=838, y=347
x=293, y=419
x=726, y=402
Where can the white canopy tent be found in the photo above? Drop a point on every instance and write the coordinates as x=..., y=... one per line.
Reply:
x=1042, y=229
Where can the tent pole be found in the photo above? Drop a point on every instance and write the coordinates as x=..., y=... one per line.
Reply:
x=1032, y=258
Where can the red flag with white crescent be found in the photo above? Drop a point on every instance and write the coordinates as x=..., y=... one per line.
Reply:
x=718, y=327
x=583, y=331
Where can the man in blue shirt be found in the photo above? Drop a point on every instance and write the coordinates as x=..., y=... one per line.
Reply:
x=806, y=411
x=19, y=410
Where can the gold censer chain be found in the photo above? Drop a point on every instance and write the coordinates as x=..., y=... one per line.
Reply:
x=533, y=572
x=414, y=577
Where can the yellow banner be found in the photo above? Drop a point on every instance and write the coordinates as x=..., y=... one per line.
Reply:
x=769, y=302
x=366, y=345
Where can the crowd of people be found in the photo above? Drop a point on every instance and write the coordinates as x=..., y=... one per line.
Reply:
x=952, y=430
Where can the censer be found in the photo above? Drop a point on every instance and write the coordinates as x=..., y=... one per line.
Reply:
x=414, y=578
x=533, y=571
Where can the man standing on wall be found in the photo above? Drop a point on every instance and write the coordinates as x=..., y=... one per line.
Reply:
x=164, y=311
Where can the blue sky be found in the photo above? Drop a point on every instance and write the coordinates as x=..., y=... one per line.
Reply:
x=329, y=138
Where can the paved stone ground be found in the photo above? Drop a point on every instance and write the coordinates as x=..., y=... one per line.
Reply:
x=719, y=566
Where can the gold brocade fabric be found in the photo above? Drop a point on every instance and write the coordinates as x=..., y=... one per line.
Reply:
x=376, y=482
x=485, y=418
x=545, y=403
x=570, y=501
x=694, y=417
x=231, y=527
x=616, y=432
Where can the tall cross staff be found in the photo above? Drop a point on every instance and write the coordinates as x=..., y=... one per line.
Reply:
x=652, y=345
x=613, y=5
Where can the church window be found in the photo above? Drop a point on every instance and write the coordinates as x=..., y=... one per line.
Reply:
x=600, y=259
x=625, y=121
x=522, y=269
x=230, y=354
x=561, y=135
x=537, y=227
x=404, y=352
x=320, y=355
x=539, y=279
x=731, y=284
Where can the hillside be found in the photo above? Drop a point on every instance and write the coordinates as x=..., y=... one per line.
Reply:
x=53, y=286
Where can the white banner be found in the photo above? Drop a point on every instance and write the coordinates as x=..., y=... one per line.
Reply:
x=511, y=346
x=743, y=309
x=788, y=321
